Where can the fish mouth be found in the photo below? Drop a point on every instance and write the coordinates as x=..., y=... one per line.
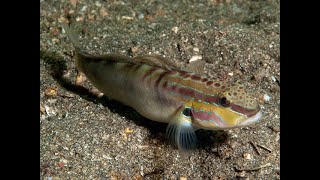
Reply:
x=252, y=119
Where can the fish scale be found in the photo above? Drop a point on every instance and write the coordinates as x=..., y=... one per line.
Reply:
x=160, y=91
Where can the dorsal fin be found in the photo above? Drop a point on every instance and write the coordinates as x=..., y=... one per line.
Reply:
x=73, y=38
x=196, y=67
x=111, y=57
x=156, y=60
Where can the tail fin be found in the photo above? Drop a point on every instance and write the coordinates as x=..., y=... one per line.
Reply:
x=72, y=36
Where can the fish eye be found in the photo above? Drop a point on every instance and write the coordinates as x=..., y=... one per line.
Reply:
x=187, y=112
x=224, y=102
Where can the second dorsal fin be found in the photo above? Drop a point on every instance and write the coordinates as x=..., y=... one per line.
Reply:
x=195, y=66
x=156, y=60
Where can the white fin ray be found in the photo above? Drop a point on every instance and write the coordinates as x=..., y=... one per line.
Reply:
x=181, y=133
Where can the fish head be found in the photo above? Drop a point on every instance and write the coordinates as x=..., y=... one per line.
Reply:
x=231, y=108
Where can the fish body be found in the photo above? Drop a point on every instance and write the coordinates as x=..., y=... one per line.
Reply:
x=160, y=91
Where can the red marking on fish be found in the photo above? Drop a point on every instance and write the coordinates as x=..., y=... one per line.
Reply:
x=208, y=116
x=217, y=84
x=186, y=92
x=149, y=72
x=204, y=80
x=242, y=110
x=201, y=115
x=195, y=77
x=210, y=99
x=209, y=83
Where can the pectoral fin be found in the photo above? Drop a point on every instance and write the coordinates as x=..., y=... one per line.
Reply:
x=181, y=133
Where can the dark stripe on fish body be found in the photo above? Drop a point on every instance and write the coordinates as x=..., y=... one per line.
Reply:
x=182, y=73
x=159, y=78
x=165, y=85
x=131, y=68
x=173, y=87
x=149, y=72
x=189, y=92
x=186, y=76
x=172, y=72
x=186, y=92
x=242, y=110
x=127, y=66
x=136, y=67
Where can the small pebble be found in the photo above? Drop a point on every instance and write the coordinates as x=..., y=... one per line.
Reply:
x=50, y=92
x=247, y=156
x=127, y=130
x=127, y=17
x=195, y=58
x=143, y=146
x=134, y=49
x=175, y=29
x=242, y=173
x=49, y=111
x=98, y=4
x=91, y=17
x=103, y=12
x=141, y=16
x=266, y=97
x=42, y=109
x=78, y=19
x=84, y=8
x=278, y=137
x=52, y=101
x=80, y=79
x=55, y=41
x=141, y=171
x=61, y=164
x=71, y=11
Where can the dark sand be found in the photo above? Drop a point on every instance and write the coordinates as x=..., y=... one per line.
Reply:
x=85, y=136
